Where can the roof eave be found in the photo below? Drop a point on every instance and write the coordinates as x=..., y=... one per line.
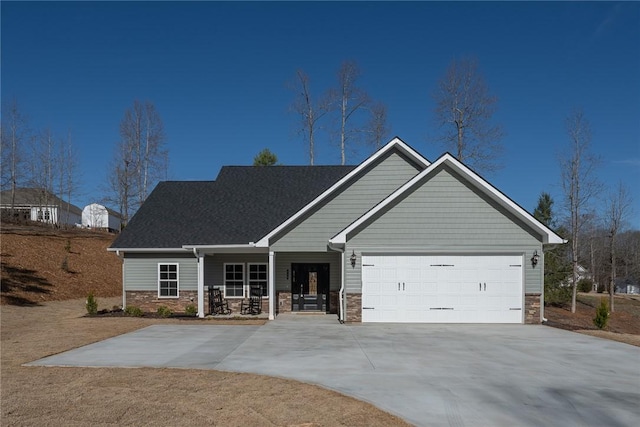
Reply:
x=230, y=248
x=548, y=235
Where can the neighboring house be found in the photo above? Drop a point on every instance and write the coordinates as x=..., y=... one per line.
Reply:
x=37, y=204
x=394, y=239
x=627, y=285
x=582, y=273
x=98, y=216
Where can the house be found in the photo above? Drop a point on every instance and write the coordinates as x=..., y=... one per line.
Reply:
x=38, y=204
x=100, y=217
x=394, y=239
x=627, y=285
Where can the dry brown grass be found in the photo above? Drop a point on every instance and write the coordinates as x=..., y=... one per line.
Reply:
x=106, y=396
x=624, y=322
x=32, y=265
x=42, y=314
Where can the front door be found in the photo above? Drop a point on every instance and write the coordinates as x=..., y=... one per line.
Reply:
x=310, y=287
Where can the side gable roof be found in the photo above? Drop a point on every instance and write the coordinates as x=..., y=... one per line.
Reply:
x=35, y=197
x=395, y=144
x=548, y=235
x=242, y=205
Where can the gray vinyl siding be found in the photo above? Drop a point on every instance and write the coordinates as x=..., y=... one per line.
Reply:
x=141, y=271
x=380, y=180
x=444, y=215
x=214, y=265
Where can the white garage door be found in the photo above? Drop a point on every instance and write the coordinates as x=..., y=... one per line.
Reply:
x=442, y=289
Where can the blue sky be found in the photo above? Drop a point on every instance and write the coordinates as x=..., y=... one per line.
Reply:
x=217, y=74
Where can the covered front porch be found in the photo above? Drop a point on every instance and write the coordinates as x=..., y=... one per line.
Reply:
x=288, y=281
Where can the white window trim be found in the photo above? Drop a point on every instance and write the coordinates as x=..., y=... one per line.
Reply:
x=224, y=279
x=249, y=279
x=177, y=280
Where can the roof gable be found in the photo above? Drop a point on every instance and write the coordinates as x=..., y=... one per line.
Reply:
x=395, y=144
x=548, y=235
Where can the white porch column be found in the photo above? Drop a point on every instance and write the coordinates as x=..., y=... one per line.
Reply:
x=200, y=285
x=272, y=285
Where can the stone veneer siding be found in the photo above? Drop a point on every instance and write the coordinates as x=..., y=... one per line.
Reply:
x=283, y=302
x=354, y=308
x=148, y=300
x=235, y=305
x=532, y=309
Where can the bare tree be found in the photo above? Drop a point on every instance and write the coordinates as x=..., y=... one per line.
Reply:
x=619, y=207
x=15, y=135
x=377, y=126
x=350, y=100
x=41, y=168
x=140, y=159
x=464, y=109
x=310, y=110
x=68, y=173
x=121, y=180
x=579, y=184
x=142, y=130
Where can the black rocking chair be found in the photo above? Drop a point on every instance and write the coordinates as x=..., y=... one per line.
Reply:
x=217, y=305
x=254, y=304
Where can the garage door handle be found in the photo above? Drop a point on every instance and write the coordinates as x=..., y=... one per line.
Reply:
x=403, y=286
x=516, y=308
x=485, y=286
x=368, y=308
x=398, y=285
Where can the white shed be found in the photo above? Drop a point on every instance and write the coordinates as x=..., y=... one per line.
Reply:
x=98, y=216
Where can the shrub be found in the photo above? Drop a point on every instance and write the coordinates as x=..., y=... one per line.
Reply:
x=67, y=246
x=92, y=304
x=191, y=310
x=164, y=311
x=65, y=265
x=602, y=315
x=134, y=311
x=585, y=285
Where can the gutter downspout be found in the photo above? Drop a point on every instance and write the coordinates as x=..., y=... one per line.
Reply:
x=124, y=294
x=544, y=319
x=341, y=293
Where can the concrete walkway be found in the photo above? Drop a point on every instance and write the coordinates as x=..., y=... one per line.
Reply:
x=430, y=375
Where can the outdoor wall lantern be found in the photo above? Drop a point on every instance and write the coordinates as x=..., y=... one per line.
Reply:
x=535, y=258
x=353, y=258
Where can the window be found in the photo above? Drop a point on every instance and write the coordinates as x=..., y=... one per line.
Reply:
x=44, y=215
x=258, y=276
x=167, y=280
x=234, y=280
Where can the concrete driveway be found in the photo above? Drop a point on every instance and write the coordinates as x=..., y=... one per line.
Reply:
x=430, y=375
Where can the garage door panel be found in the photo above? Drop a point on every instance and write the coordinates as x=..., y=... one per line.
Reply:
x=443, y=289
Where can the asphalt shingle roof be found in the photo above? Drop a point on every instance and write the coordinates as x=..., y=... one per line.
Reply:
x=243, y=205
